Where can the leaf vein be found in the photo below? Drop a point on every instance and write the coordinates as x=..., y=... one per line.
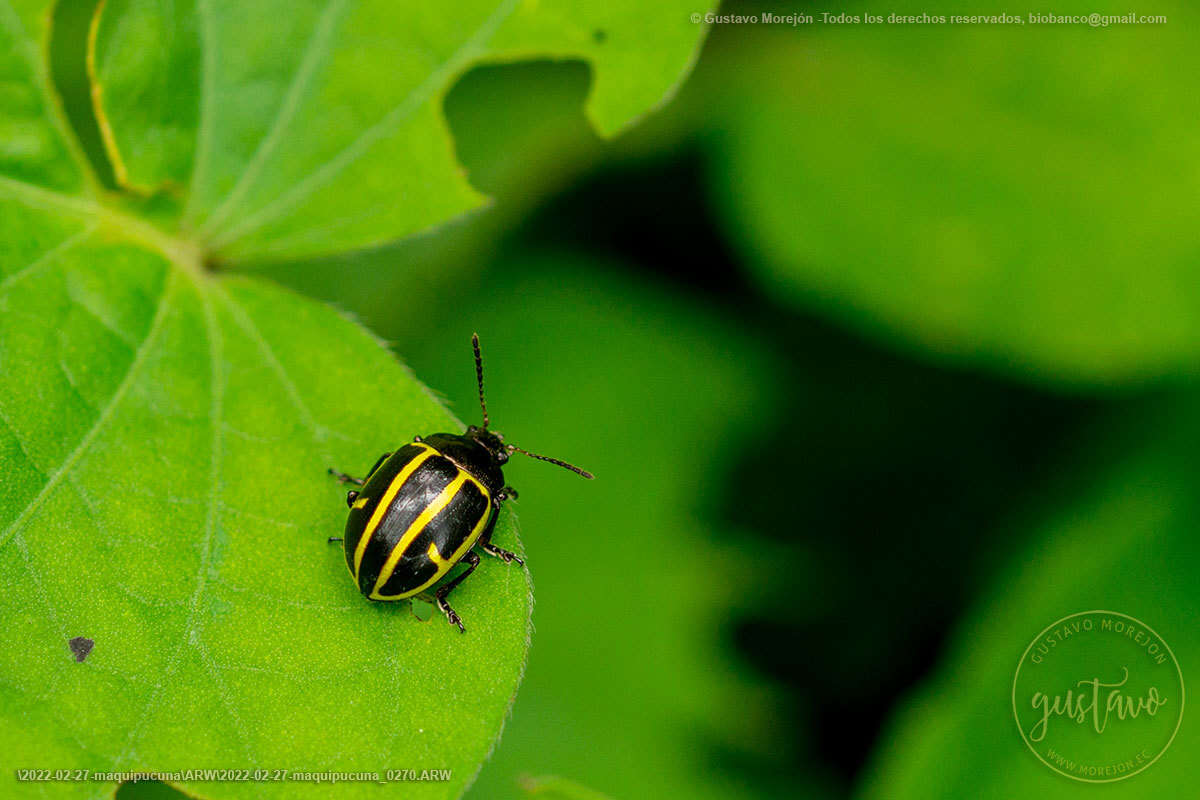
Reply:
x=190, y=634
x=108, y=325
x=239, y=725
x=317, y=43
x=106, y=414
x=353, y=151
x=47, y=257
x=20, y=445
x=204, y=132
x=320, y=433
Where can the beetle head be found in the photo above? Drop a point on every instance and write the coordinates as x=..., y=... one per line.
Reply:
x=491, y=441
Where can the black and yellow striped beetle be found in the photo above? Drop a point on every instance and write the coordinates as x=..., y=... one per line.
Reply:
x=423, y=508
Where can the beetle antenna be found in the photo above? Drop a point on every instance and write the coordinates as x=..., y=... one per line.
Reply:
x=479, y=377
x=572, y=467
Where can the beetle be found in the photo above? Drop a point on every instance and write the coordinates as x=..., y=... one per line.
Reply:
x=424, y=508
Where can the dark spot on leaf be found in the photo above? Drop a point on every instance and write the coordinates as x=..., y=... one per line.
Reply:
x=599, y=35
x=81, y=646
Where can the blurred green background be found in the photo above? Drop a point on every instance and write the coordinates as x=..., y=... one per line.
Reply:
x=882, y=342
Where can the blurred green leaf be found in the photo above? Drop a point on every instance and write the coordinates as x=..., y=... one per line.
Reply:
x=327, y=134
x=1127, y=544
x=631, y=689
x=1021, y=196
x=553, y=787
x=518, y=127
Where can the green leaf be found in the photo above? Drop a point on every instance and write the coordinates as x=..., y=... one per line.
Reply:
x=1126, y=544
x=327, y=134
x=165, y=441
x=1005, y=195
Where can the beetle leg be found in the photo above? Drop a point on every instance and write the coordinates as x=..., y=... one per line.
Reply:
x=485, y=542
x=507, y=493
x=333, y=539
x=344, y=478
x=472, y=560
x=508, y=557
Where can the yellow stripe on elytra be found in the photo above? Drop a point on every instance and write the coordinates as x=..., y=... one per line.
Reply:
x=482, y=489
x=444, y=564
x=436, y=557
x=418, y=525
x=386, y=501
